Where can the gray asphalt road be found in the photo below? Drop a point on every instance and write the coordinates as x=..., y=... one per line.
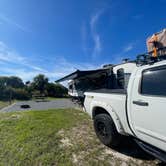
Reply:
x=59, y=103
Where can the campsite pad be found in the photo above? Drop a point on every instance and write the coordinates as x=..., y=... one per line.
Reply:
x=45, y=105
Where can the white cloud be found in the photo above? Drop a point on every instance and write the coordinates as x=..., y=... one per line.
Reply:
x=63, y=67
x=7, y=20
x=8, y=55
x=95, y=35
x=36, y=68
x=12, y=63
x=84, y=37
x=24, y=74
x=97, y=47
x=118, y=57
x=128, y=47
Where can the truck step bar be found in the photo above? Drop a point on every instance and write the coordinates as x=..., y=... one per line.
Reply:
x=152, y=150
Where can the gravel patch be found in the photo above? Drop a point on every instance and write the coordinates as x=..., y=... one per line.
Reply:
x=42, y=105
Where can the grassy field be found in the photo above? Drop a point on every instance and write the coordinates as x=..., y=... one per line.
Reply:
x=54, y=137
x=3, y=104
x=31, y=137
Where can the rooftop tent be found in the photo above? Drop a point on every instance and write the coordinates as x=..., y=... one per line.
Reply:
x=157, y=43
x=83, y=74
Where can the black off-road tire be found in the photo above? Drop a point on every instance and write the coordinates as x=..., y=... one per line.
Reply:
x=106, y=131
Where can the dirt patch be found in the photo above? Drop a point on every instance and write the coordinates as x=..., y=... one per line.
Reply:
x=86, y=149
x=65, y=142
x=16, y=116
x=13, y=117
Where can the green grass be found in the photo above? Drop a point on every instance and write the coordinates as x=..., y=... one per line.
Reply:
x=54, y=137
x=3, y=104
x=30, y=138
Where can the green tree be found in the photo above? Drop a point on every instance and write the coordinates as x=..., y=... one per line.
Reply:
x=13, y=81
x=3, y=82
x=40, y=83
x=8, y=85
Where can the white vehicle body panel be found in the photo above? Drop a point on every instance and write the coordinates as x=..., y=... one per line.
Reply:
x=146, y=123
x=113, y=103
x=128, y=67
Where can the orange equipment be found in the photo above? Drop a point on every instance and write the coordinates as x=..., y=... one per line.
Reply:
x=156, y=44
x=154, y=40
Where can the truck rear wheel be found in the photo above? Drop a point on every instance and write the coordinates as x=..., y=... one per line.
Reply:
x=106, y=131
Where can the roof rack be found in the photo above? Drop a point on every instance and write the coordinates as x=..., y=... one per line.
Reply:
x=148, y=58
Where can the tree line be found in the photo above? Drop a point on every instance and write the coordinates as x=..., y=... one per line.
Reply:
x=14, y=88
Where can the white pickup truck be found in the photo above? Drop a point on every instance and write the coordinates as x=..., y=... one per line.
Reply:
x=136, y=107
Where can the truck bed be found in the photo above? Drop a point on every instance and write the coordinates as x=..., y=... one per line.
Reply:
x=112, y=100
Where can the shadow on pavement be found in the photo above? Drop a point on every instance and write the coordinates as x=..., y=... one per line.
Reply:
x=25, y=106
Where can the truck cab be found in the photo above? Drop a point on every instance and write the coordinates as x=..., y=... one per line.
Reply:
x=147, y=102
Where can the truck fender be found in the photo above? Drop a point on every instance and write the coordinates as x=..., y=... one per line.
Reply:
x=111, y=112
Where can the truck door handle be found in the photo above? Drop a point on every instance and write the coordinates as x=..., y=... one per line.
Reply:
x=141, y=103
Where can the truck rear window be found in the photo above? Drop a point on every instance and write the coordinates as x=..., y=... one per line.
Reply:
x=154, y=82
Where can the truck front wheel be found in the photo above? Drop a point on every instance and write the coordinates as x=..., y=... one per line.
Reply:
x=106, y=131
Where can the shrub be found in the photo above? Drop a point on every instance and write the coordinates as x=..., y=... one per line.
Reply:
x=56, y=90
x=20, y=94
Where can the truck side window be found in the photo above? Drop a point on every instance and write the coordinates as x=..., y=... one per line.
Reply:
x=154, y=82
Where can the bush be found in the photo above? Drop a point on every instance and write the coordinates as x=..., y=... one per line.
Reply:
x=4, y=94
x=20, y=94
x=56, y=90
x=14, y=88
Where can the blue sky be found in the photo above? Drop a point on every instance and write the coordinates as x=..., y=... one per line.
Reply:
x=56, y=37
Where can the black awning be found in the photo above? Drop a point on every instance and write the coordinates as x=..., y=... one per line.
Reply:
x=80, y=74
